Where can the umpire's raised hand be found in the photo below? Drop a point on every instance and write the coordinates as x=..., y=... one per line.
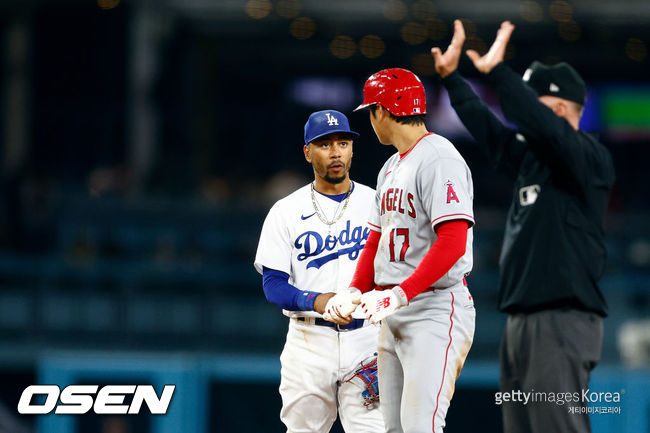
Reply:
x=448, y=62
x=497, y=51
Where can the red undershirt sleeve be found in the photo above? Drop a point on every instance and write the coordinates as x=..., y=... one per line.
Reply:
x=443, y=254
x=364, y=274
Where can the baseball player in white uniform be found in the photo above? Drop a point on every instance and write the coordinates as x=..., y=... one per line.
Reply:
x=308, y=249
x=413, y=267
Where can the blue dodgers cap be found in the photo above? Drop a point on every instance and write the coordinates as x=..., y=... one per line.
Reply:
x=326, y=122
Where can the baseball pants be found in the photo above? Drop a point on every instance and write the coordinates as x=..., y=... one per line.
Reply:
x=550, y=351
x=422, y=349
x=315, y=361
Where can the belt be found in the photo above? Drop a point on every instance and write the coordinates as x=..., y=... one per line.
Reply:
x=355, y=324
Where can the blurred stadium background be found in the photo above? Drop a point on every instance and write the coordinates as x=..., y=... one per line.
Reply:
x=143, y=141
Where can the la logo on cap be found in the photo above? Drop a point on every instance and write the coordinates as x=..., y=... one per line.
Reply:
x=553, y=88
x=331, y=120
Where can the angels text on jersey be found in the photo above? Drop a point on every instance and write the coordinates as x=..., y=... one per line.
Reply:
x=397, y=200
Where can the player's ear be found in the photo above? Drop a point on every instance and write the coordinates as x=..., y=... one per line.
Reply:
x=307, y=151
x=381, y=111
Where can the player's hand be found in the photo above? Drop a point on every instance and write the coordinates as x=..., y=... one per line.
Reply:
x=339, y=308
x=448, y=62
x=497, y=51
x=321, y=301
x=379, y=304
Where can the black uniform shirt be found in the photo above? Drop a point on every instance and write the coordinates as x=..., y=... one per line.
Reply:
x=553, y=251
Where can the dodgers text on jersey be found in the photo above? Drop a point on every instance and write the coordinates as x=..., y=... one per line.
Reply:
x=313, y=244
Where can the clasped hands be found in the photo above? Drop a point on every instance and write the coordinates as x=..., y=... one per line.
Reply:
x=375, y=305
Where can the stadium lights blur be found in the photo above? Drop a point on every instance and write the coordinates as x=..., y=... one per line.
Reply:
x=569, y=31
x=414, y=33
x=108, y=4
x=436, y=29
x=302, y=28
x=423, y=65
x=336, y=92
x=258, y=9
x=343, y=46
x=423, y=10
x=561, y=11
x=288, y=8
x=395, y=10
x=636, y=49
x=531, y=11
x=372, y=46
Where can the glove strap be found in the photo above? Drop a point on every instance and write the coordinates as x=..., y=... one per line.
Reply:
x=401, y=295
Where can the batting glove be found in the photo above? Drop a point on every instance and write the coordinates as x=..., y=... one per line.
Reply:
x=340, y=306
x=379, y=304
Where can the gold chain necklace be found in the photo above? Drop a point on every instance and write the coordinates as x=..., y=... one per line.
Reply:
x=337, y=215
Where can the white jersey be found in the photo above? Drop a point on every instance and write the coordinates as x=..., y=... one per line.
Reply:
x=316, y=257
x=427, y=185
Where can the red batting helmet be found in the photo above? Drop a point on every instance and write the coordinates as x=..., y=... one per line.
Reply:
x=398, y=90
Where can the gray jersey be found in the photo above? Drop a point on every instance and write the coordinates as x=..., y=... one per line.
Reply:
x=417, y=190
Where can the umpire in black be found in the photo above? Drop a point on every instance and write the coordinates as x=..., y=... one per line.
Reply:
x=553, y=251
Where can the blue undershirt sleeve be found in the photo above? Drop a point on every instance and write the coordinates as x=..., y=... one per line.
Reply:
x=278, y=291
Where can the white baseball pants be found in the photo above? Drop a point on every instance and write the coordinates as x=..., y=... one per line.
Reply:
x=315, y=360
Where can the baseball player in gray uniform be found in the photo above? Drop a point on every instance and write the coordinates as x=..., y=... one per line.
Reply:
x=413, y=267
x=308, y=249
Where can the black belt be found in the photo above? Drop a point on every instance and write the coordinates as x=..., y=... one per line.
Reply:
x=355, y=324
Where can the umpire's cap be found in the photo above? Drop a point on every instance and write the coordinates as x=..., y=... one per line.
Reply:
x=322, y=123
x=559, y=80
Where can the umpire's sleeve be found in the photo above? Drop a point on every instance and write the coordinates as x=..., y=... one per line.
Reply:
x=520, y=104
x=497, y=141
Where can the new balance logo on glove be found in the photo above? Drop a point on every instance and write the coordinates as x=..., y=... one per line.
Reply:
x=377, y=304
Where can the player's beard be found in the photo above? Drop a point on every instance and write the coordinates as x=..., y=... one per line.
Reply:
x=334, y=180
x=337, y=180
